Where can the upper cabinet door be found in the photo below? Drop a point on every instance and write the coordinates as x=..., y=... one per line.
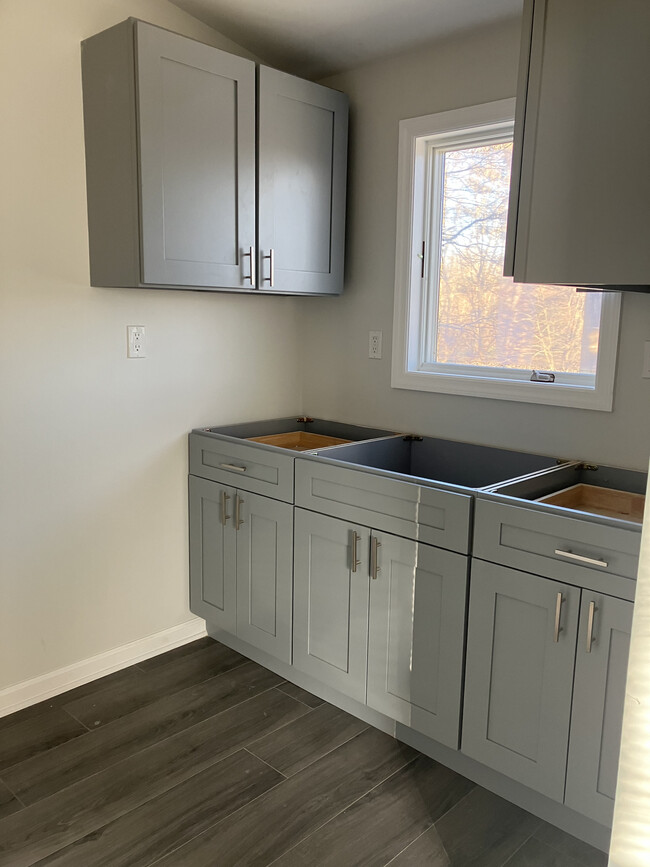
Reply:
x=580, y=195
x=196, y=125
x=303, y=129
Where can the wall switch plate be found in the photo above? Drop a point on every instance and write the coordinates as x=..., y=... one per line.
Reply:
x=135, y=342
x=646, y=360
x=374, y=344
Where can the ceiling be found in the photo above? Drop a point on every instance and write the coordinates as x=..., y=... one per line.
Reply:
x=314, y=38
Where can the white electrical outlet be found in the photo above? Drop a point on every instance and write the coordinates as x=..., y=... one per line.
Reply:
x=374, y=344
x=135, y=342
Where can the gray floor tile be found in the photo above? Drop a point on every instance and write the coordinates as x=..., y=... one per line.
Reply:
x=426, y=850
x=49, y=772
x=382, y=823
x=116, y=701
x=144, y=835
x=49, y=825
x=276, y=821
x=8, y=802
x=181, y=652
x=484, y=830
x=300, y=694
x=297, y=745
x=566, y=844
x=536, y=854
x=37, y=734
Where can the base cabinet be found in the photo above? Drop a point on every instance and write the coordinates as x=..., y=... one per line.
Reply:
x=381, y=619
x=545, y=685
x=241, y=547
x=598, y=700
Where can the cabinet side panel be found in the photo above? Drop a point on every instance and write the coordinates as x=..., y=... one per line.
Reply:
x=108, y=76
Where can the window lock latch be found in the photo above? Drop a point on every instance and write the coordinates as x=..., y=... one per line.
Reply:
x=542, y=376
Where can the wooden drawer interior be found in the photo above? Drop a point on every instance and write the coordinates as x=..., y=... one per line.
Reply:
x=599, y=501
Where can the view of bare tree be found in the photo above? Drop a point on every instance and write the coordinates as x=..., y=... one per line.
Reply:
x=485, y=318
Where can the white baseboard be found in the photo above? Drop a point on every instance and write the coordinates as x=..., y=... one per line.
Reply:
x=45, y=686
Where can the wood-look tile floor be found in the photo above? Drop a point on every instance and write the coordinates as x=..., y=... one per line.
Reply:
x=201, y=757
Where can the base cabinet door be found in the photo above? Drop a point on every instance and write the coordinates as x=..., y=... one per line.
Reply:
x=264, y=573
x=598, y=699
x=417, y=634
x=330, y=636
x=519, y=675
x=213, y=554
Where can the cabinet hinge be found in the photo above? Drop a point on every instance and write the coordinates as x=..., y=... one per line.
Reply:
x=304, y=419
x=412, y=438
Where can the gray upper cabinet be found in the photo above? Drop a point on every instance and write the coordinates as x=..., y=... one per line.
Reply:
x=170, y=134
x=170, y=159
x=519, y=675
x=598, y=699
x=417, y=635
x=303, y=130
x=580, y=192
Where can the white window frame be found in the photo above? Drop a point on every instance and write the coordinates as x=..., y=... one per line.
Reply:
x=410, y=329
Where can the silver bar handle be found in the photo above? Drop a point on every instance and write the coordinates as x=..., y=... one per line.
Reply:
x=581, y=558
x=375, y=544
x=251, y=256
x=355, y=541
x=233, y=467
x=558, y=617
x=271, y=278
x=238, y=519
x=224, y=513
x=590, y=625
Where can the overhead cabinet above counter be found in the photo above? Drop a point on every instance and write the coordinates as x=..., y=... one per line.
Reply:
x=204, y=172
x=580, y=190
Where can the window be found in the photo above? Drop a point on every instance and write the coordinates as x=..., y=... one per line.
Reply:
x=460, y=325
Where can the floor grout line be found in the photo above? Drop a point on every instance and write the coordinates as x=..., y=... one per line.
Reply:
x=17, y=797
x=264, y=762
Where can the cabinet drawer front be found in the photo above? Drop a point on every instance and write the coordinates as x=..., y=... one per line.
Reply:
x=435, y=517
x=568, y=549
x=248, y=467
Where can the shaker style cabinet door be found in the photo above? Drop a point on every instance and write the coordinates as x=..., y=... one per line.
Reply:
x=196, y=125
x=598, y=699
x=330, y=632
x=302, y=134
x=417, y=635
x=213, y=553
x=580, y=184
x=519, y=675
x=264, y=573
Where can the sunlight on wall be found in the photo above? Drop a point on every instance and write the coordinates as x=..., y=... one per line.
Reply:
x=631, y=832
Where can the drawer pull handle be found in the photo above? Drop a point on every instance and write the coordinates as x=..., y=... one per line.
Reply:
x=238, y=519
x=558, y=617
x=233, y=467
x=581, y=558
x=590, y=625
x=224, y=513
x=355, y=541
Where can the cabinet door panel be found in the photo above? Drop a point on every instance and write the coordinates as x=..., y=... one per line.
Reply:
x=598, y=700
x=302, y=173
x=264, y=574
x=416, y=639
x=331, y=602
x=213, y=588
x=519, y=679
x=197, y=152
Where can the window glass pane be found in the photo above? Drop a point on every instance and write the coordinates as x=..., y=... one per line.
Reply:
x=484, y=318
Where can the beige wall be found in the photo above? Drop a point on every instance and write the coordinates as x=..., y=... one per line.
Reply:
x=340, y=381
x=93, y=516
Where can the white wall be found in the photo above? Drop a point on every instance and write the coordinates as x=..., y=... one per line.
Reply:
x=340, y=381
x=93, y=515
